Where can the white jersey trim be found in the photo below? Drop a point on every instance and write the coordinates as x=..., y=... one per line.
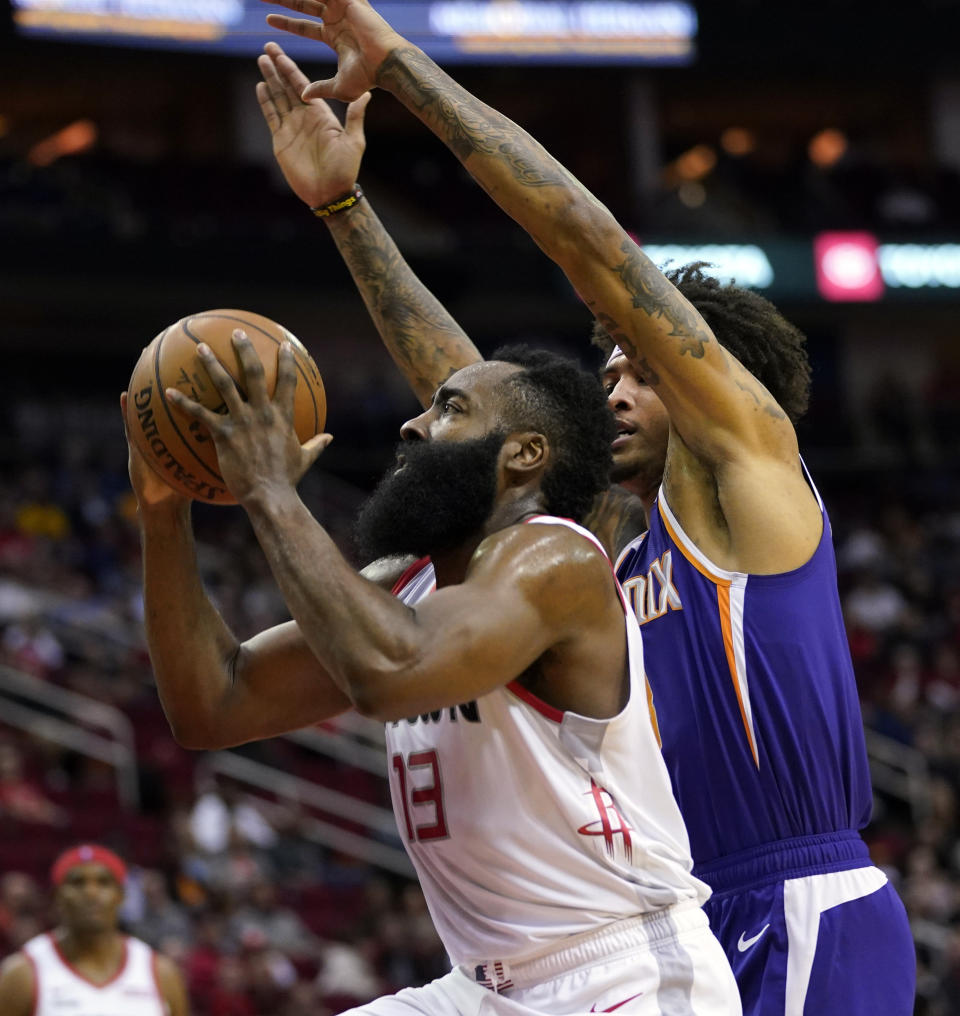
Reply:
x=731, y=593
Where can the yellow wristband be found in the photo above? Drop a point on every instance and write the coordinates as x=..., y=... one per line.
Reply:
x=340, y=205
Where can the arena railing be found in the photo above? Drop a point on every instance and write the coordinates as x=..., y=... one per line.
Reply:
x=349, y=738
x=378, y=844
x=65, y=717
x=900, y=771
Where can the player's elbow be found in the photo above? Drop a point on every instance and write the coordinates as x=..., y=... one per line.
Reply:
x=579, y=231
x=193, y=734
x=378, y=691
x=375, y=707
x=198, y=729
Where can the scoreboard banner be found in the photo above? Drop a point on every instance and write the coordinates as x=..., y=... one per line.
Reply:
x=639, y=32
x=839, y=267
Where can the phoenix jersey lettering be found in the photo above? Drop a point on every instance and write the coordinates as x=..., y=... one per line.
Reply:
x=527, y=824
x=753, y=685
x=64, y=991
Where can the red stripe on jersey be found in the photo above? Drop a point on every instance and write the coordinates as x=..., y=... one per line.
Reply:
x=408, y=575
x=551, y=712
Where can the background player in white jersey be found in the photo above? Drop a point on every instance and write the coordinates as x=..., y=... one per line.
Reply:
x=735, y=581
x=86, y=966
x=525, y=773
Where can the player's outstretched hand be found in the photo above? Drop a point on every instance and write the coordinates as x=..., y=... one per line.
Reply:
x=319, y=158
x=257, y=447
x=148, y=488
x=353, y=30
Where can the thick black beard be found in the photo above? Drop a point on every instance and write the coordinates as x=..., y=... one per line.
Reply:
x=439, y=499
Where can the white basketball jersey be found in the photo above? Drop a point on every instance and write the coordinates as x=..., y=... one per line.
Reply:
x=527, y=824
x=64, y=991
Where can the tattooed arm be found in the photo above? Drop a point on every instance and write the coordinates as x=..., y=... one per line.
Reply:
x=735, y=479
x=421, y=336
x=320, y=160
x=643, y=312
x=615, y=518
x=715, y=406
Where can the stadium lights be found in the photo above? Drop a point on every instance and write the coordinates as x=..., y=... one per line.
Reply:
x=77, y=137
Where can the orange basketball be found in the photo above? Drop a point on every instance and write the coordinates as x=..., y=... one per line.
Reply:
x=180, y=448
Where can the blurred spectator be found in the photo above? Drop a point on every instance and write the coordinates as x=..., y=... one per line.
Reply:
x=31, y=647
x=262, y=921
x=20, y=798
x=346, y=978
x=22, y=907
x=875, y=604
x=38, y=514
x=160, y=919
x=202, y=962
x=229, y=996
x=222, y=815
x=303, y=1000
x=943, y=687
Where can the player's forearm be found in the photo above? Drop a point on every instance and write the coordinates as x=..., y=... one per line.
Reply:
x=669, y=340
x=362, y=635
x=425, y=342
x=517, y=172
x=191, y=648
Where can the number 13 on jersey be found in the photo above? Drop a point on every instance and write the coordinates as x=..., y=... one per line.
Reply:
x=421, y=792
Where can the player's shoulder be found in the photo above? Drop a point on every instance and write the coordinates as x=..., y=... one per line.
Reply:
x=18, y=983
x=16, y=963
x=169, y=981
x=546, y=555
x=566, y=540
x=164, y=967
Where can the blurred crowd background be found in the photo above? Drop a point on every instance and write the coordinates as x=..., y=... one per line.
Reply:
x=138, y=186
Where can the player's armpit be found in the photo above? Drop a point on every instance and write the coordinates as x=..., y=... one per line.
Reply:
x=17, y=986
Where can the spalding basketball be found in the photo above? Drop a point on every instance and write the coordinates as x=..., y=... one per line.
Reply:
x=179, y=448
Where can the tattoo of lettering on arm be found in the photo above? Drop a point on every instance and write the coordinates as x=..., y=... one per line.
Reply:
x=650, y=376
x=404, y=312
x=652, y=293
x=464, y=123
x=616, y=517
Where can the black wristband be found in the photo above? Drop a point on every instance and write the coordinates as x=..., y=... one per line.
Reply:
x=340, y=205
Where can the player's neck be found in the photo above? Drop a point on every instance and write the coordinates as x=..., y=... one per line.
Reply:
x=450, y=567
x=645, y=488
x=98, y=949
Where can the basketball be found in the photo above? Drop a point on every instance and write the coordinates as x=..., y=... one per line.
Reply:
x=179, y=448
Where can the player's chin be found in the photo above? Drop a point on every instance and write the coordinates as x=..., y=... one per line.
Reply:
x=623, y=448
x=624, y=466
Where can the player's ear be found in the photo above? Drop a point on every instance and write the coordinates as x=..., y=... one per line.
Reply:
x=525, y=454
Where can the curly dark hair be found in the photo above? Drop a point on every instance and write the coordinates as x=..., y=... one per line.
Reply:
x=750, y=327
x=554, y=396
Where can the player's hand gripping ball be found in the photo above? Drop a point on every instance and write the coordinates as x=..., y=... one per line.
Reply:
x=179, y=448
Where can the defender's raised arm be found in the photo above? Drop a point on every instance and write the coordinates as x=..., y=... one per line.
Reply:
x=733, y=446
x=320, y=160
